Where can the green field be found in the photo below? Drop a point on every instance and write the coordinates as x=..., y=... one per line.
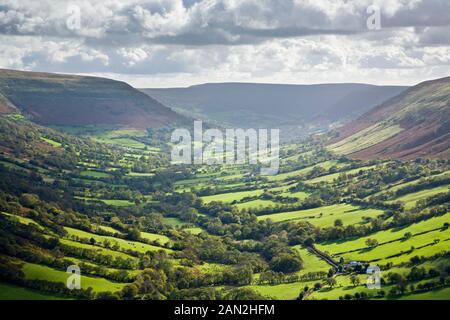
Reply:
x=311, y=263
x=110, y=202
x=194, y=231
x=52, y=142
x=174, y=222
x=39, y=272
x=23, y=220
x=361, y=252
x=99, y=250
x=325, y=165
x=365, y=138
x=124, y=244
x=12, y=292
x=256, y=204
x=285, y=291
x=109, y=229
x=232, y=196
x=326, y=216
x=439, y=294
x=155, y=237
x=333, y=176
x=94, y=174
x=410, y=200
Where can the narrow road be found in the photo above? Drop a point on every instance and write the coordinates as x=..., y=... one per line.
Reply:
x=323, y=256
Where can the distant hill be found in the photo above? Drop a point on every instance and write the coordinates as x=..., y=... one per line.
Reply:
x=67, y=100
x=414, y=124
x=310, y=107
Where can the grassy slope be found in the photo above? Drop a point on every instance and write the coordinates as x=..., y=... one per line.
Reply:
x=12, y=292
x=124, y=244
x=325, y=216
x=39, y=272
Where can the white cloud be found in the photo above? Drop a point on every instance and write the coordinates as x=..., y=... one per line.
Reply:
x=167, y=42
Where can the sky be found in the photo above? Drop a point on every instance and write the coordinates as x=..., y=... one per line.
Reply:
x=174, y=43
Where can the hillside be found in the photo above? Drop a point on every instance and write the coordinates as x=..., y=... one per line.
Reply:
x=247, y=105
x=411, y=125
x=140, y=228
x=67, y=100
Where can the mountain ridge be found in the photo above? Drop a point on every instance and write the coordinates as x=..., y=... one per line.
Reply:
x=59, y=99
x=414, y=124
x=272, y=105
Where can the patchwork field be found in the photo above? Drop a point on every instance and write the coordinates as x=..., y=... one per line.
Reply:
x=326, y=216
x=124, y=244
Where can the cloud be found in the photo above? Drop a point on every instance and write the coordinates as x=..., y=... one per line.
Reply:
x=254, y=40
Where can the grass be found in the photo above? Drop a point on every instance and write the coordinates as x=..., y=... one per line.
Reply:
x=255, y=204
x=122, y=243
x=285, y=291
x=127, y=142
x=108, y=229
x=326, y=216
x=155, y=237
x=361, y=251
x=94, y=174
x=52, y=142
x=232, y=196
x=110, y=202
x=174, y=222
x=311, y=263
x=410, y=200
x=365, y=138
x=284, y=191
x=99, y=250
x=23, y=220
x=194, y=231
x=140, y=174
x=325, y=165
x=118, y=203
x=382, y=252
x=333, y=176
x=39, y=272
x=12, y=292
x=439, y=294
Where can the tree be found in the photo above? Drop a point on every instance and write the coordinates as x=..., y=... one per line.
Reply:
x=331, y=282
x=317, y=286
x=407, y=235
x=29, y=200
x=133, y=234
x=338, y=223
x=355, y=280
x=107, y=296
x=286, y=263
x=129, y=291
x=243, y=294
x=371, y=243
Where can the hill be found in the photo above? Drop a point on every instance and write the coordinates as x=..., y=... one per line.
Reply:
x=252, y=105
x=411, y=125
x=67, y=100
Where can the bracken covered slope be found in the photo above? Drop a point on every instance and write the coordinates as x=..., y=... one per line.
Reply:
x=412, y=125
x=53, y=99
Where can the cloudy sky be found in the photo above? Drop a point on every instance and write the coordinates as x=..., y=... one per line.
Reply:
x=164, y=43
